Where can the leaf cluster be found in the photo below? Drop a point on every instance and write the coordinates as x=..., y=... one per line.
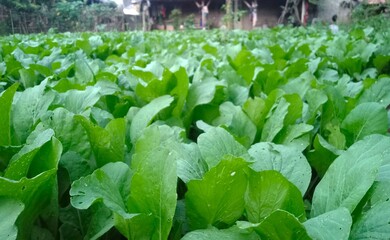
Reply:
x=273, y=134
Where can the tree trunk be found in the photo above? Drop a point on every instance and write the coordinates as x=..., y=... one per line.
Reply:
x=229, y=14
x=235, y=14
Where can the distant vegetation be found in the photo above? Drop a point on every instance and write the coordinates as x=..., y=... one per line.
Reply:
x=24, y=16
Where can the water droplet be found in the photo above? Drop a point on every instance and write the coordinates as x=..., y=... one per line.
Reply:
x=232, y=174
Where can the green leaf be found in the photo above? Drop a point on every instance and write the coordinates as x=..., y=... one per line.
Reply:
x=298, y=85
x=290, y=162
x=294, y=108
x=322, y=155
x=315, y=99
x=216, y=143
x=27, y=108
x=245, y=64
x=100, y=116
x=199, y=93
x=291, y=134
x=269, y=191
x=333, y=225
x=190, y=164
x=140, y=226
x=334, y=135
x=218, y=198
x=153, y=187
x=76, y=165
x=180, y=91
x=381, y=61
x=109, y=184
x=373, y=224
x=275, y=122
x=223, y=234
x=21, y=162
x=70, y=132
x=378, y=92
x=28, y=78
x=146, y=115
x=83, y=72
x=10, y=209
x=379, y=192
x=238, y=123
x=5, y=116
x=34, y=193
x=366, y=119
x=335, y=108
x=350, y=175
x=256, y=110
x=174, y=84
x=77, y=101
x=108, y=144
x=90, y=224
x=279, y=225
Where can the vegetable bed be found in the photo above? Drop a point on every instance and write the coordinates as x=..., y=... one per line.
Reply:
x=273, y=134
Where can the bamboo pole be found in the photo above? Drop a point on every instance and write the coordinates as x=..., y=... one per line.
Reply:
x=303, y=12
x=12, y=22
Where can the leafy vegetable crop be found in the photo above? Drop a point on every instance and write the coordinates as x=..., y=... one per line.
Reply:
x=271, y=134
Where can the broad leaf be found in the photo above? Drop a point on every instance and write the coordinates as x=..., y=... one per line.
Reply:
x=199, y=93
x=294, y=136
x=77, y=101
x=216, y=143
x=322, y=155
x=34, y=193
x=373, y=224
x=238, y=123
x=269, y=191
x=315, y=99
x=279, y=225
x=108, y=144
x=21, y=163
x=90, y=224
x=380, y=192
x=224, y=234
x=333, y=225
x=351, y=175
x=291, y=163
x=275, y=122
x=83, y=72
x=76, y=165
x=28, y=107
x=256, y=110
x=146, y=114
x=190, y=164
x=9, y=212
x=70, y=132
x=5, y=116
x=153, y=187
x=365, y=119
x=218, y=198
x=109, y=184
